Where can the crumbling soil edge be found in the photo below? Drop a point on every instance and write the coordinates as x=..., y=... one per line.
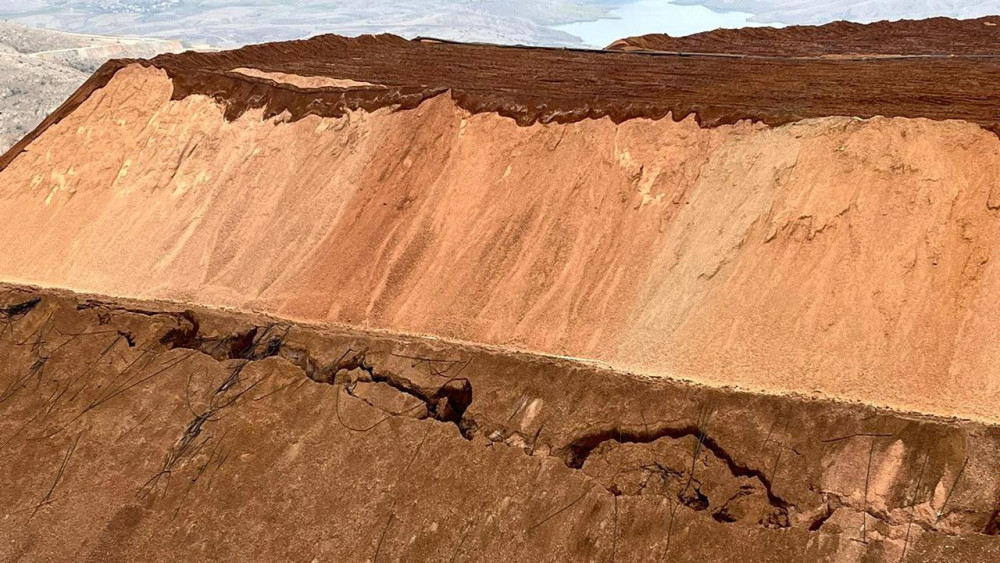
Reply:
x=448, y=402
x=211, y=75
x=245, y=339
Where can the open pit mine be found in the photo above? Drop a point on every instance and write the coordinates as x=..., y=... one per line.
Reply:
x=729, y=297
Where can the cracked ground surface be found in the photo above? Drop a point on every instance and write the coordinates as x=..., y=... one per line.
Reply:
x=142, y=430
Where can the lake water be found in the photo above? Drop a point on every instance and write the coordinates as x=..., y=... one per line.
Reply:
x=654, y=16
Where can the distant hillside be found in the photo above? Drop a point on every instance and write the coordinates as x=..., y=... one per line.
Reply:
x=813, y=12
x=232, y=23
x=41, y=68
x=935, y=36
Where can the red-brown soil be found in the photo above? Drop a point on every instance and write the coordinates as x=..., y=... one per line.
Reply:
x=145, y=431
x=934, y=36
x=735, y=255
x=531, y=84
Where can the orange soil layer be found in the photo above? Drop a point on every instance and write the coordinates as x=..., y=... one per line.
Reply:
x=846, y=257
x=305, y=82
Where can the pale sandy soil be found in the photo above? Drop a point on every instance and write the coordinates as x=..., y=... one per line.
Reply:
x=836, y=256
x=302, y=81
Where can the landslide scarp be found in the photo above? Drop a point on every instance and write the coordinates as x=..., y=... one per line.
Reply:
x=734, y=255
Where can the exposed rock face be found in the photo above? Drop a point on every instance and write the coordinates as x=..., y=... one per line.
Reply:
x=147, y=431
x=824, y=233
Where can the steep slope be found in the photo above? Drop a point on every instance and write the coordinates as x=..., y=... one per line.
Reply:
x=934, y=36
x=30, y=89
x=737, y=255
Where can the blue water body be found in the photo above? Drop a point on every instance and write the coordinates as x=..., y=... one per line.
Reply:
x=654, y=16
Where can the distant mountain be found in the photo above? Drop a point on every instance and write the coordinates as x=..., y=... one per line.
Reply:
x=239, y=22
x=864, y=11
x=40, y=68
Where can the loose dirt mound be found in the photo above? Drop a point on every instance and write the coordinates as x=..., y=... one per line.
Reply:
x=934, y=36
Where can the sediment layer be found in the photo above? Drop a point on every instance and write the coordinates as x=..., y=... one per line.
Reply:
x=819, y=232
x=142, y=430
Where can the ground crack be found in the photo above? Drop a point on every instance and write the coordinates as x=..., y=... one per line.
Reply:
x=447, y=402
x=576, y=453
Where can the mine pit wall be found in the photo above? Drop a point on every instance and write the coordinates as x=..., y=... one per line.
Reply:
x=838, y=257
x=143, y=430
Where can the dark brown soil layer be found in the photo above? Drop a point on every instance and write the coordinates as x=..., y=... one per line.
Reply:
x=531, y=84
x=145, y=431
x=934, y=36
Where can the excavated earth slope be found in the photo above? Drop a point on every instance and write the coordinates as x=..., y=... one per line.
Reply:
x=147, y=431
x=838, y=256
x=648, y=230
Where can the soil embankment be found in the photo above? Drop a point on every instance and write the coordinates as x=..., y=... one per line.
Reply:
x=845, y=257
x=464, y=224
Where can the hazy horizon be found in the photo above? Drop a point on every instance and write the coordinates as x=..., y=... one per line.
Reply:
x=577, y=23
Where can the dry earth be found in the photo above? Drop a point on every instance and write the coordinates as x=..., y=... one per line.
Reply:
x=818, y=232
x=145, y=431
x=736, y=255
